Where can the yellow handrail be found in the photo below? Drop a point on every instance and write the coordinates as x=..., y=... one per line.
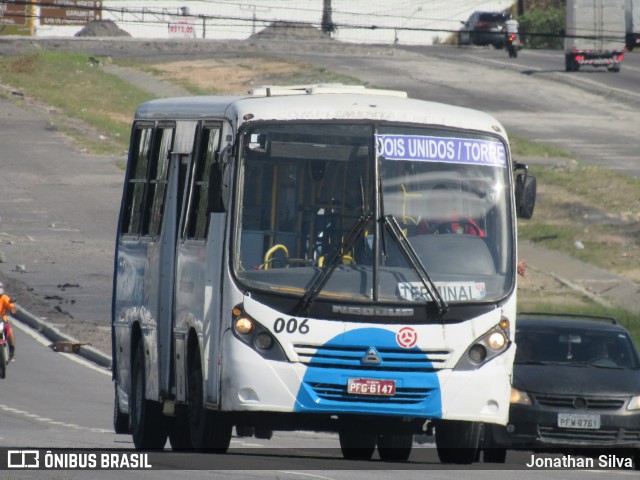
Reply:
x=271, y=251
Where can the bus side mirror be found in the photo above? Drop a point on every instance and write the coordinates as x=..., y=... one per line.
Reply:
x=219, y=181
x=525, y=195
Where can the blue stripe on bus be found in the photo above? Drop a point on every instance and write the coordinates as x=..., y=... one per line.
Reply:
x=324, y=386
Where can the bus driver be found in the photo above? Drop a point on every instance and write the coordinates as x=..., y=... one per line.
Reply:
x=443, y=217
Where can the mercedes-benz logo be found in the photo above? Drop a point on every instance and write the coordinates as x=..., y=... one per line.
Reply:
x=372, y=357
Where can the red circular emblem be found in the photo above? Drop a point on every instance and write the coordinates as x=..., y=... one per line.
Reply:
x=407, y=337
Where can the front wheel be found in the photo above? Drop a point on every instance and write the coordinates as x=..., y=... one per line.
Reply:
x=357, y=446
x=209, y=431
x=395, y=447
x=148, y=426
x=457, y=441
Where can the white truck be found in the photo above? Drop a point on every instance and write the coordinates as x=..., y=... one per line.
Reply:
x=595, y=34
x=632, y=16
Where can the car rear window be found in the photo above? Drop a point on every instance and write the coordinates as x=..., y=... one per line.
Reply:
x=493, y=17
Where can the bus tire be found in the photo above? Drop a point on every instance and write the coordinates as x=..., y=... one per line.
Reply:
x=495, y=455
x=120, y=419
x=180, y=433
x=209, y=431
x=570, y=63
x=395, y=447
x=148, y=426
x=357, y=446
x=493, y=452
x=263, y=433
x=457, y=441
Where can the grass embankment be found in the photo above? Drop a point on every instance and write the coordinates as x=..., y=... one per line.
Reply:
x=581, y=203
x=591, y=214
x=77, y=88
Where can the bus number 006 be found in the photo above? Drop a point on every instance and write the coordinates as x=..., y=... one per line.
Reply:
x=291, y=326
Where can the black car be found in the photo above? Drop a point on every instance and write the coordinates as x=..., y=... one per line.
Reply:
x=483, y=28
x=576, y=384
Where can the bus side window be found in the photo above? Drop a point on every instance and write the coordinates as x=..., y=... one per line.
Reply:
x=198, y=218
x=157, y=188
x=137, y=180
x=147, y=181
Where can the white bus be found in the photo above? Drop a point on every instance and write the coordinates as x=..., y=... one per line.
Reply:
x=324, y=258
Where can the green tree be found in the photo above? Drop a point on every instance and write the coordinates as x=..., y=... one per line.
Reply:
x=543, y=26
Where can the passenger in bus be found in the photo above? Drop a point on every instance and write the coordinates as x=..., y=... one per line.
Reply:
x=6, y=304
x=443, y=218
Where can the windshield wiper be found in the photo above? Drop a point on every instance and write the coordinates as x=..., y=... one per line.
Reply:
x=321, y=280
x=412, y=258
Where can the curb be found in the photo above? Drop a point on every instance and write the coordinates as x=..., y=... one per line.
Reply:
x=55, y=335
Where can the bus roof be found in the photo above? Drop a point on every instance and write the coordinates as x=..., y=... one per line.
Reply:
x=317, y=102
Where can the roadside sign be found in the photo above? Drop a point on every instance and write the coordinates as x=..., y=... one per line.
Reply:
x=13, y=12
x=70, y=12
x=181, y=27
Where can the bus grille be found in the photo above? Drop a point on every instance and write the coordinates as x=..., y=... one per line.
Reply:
x=391, y=359
x=405, y=396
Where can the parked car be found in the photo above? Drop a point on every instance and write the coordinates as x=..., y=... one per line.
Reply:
x=483, y=28
x=576, y=384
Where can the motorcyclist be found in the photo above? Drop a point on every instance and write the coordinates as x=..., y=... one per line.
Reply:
x=7, y=305
x=511, y=28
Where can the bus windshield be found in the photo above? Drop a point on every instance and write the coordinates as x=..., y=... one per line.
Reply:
x=311, y=195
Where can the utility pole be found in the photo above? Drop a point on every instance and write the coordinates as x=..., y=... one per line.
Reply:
x=327, y=24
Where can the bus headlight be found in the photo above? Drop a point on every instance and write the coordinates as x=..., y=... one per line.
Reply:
x=497, y=340
x=486, y=347
x=243, y=325
x=477, y=353
x=263, y=341
x=256, y=336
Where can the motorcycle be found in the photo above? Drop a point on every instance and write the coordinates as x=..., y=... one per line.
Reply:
x=4, y=349
x=511, y=41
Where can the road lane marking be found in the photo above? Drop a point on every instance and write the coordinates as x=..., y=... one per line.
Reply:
x=49, y=421
x=311, y=475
